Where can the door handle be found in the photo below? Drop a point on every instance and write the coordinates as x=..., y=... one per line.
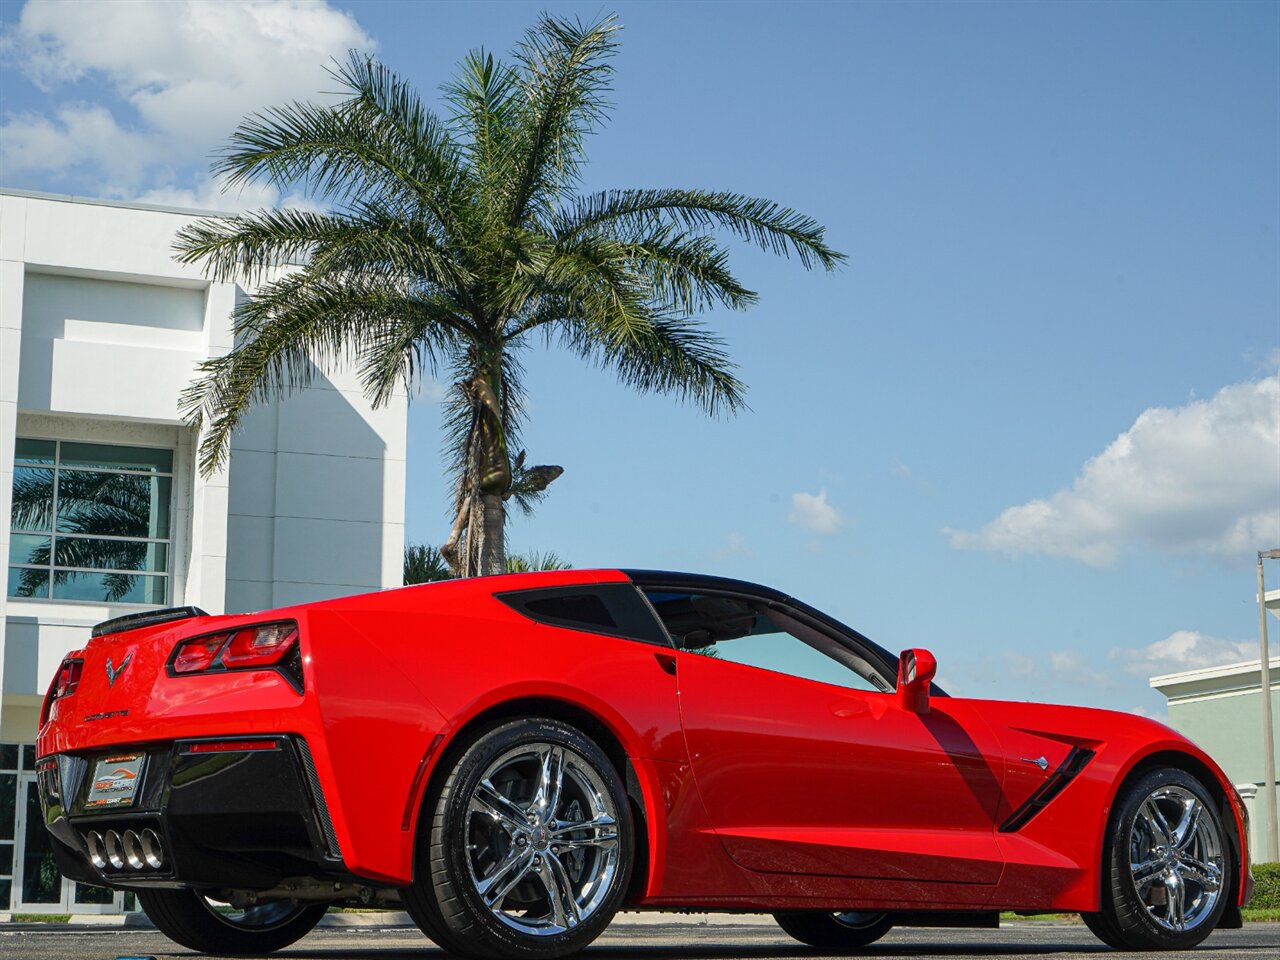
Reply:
x=667, y=662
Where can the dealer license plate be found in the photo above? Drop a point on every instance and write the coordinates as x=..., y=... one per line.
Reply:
x=115, y=781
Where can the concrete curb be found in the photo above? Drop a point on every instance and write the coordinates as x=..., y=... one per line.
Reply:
x=636, y=918
x=376, y=918
x=398, y=919
x=653, y=918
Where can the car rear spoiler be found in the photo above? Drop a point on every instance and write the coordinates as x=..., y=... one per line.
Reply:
x=148, y=618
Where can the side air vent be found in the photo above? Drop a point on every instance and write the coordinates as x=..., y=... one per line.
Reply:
x=1070, y=768
x=148, y=618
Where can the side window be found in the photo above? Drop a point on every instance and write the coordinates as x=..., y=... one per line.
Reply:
x=583, y=609
x=765, y=636
x=616, y=609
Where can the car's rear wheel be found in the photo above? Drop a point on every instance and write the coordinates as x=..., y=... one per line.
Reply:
x=211, y=926
x=1166, y=866
x=530, y=845
x=841, y=930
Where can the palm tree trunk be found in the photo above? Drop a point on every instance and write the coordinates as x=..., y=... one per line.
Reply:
x=493, y=553
x=494, y=475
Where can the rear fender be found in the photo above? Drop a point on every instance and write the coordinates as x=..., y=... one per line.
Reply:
x=638, y=772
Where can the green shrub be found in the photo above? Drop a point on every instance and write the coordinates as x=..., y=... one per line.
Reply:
x=1266, y=888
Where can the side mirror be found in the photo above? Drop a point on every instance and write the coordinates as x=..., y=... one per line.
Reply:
x=915, y=672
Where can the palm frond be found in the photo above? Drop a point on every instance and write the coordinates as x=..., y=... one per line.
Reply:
x=485, y=98
x=32, y=504
x=770, y=226
x=431, y=161
x=393, y=355
x=670, y=355
x=600, y=304
x=686, y=272
x=381, y=142
x=290, y=331
x=529, y=483
x=591, y=280
x=533, y=561
x=565, y=69
x=424, y=564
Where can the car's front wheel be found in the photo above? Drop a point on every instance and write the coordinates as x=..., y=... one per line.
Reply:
x=210, y=926
x=530, y=846
x=842, y=930
x=1166, y=866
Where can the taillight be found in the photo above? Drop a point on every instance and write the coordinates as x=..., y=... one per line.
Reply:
x=64, y=684
x=262, y=646
x=194, y=656
x=68, y=678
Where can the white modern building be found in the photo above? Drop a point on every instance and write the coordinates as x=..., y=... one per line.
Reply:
x=104, y=510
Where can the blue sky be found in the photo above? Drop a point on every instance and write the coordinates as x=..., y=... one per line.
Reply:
x=1034, y=424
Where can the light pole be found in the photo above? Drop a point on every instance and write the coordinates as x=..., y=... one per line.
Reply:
x=1268, y=731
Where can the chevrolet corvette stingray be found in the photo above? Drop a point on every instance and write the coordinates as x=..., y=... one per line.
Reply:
x=516, y=758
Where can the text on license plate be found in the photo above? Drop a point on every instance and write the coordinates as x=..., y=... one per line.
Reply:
x=115, y=781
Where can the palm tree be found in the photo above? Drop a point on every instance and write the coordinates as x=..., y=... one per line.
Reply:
x=459, y=239
x=424, y=564
x=534, y=561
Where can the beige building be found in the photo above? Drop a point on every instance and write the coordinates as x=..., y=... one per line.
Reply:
x=1220, y=708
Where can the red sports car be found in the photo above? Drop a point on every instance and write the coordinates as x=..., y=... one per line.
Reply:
x=516, y=758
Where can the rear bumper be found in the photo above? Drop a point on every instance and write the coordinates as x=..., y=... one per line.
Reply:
x=241, y=813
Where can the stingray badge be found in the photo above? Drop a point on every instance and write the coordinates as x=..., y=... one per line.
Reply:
x=113, y=673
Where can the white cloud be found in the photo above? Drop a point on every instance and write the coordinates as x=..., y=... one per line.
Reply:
x=1200, y=478
x=1020, y=666
x=813, y=512
x=1073, y=667
x=1151, y=713
x=187, y=71
x=79, y=137
x=431, y=390
x=1183, y=650
x=212, y=194
x=734, y=547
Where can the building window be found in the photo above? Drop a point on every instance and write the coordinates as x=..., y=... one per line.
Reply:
x=90, y=522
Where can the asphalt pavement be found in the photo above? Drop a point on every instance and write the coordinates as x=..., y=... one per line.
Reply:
x=653, y=939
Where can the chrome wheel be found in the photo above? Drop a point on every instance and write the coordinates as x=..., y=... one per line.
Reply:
x=842, y=930
x=1176, y=858
x=260, y=916
x=857, y=919
x=541, y=835
x=211, y=925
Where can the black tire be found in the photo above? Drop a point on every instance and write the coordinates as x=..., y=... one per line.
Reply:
x=1164, y=884
x=842, y=931
x=186, y=917
x=489, y=826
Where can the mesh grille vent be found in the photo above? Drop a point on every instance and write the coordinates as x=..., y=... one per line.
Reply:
x=317, y=797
